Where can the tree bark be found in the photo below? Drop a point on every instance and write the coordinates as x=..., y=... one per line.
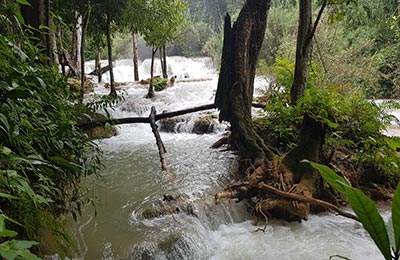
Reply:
x=113, y=91
x=242, y=44
x=135, y=58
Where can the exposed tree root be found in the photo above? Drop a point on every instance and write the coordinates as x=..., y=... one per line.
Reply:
x=272, y=184
x=309, y=200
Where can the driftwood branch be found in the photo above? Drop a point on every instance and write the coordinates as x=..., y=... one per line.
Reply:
x=313, y=201
x=132, y=120
x=159, y=142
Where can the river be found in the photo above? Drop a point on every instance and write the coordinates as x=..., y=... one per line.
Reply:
x=132, y=181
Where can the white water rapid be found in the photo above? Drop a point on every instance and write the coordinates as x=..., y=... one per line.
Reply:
x=132, y=182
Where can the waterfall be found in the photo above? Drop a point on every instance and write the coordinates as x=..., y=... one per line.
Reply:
x=132, y=184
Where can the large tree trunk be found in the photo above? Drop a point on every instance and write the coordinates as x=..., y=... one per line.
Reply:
x=135, y=58
x=242, y=44
x=113, y=91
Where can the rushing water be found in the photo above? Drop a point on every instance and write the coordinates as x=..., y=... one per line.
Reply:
x=132, y=182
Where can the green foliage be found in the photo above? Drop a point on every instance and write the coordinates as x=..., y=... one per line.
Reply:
x=159, y=84
x=165, y=21
x=283, y=120
x=14, y=249
x=367, y=212
x=281, y=33
x=11, y=20
x=42, y=153
x=355, y=44
x=355, y=125
x=213, y=47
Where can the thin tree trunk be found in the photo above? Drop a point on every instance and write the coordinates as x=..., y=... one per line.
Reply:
x=113, y=91
x=306, y=32
x=151, y=94
x=53, y=41
x=98, y=63
x=303, y=51
x=160, y=50
x=164, y=62
x=242, y=44
x=135, y=58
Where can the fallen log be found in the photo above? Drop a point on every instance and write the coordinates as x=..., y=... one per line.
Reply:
x=159, y=142
x=132, y=120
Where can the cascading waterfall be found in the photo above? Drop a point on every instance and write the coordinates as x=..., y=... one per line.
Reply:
x=132, y=183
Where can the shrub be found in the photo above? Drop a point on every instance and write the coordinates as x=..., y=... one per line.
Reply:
x=355, y=125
